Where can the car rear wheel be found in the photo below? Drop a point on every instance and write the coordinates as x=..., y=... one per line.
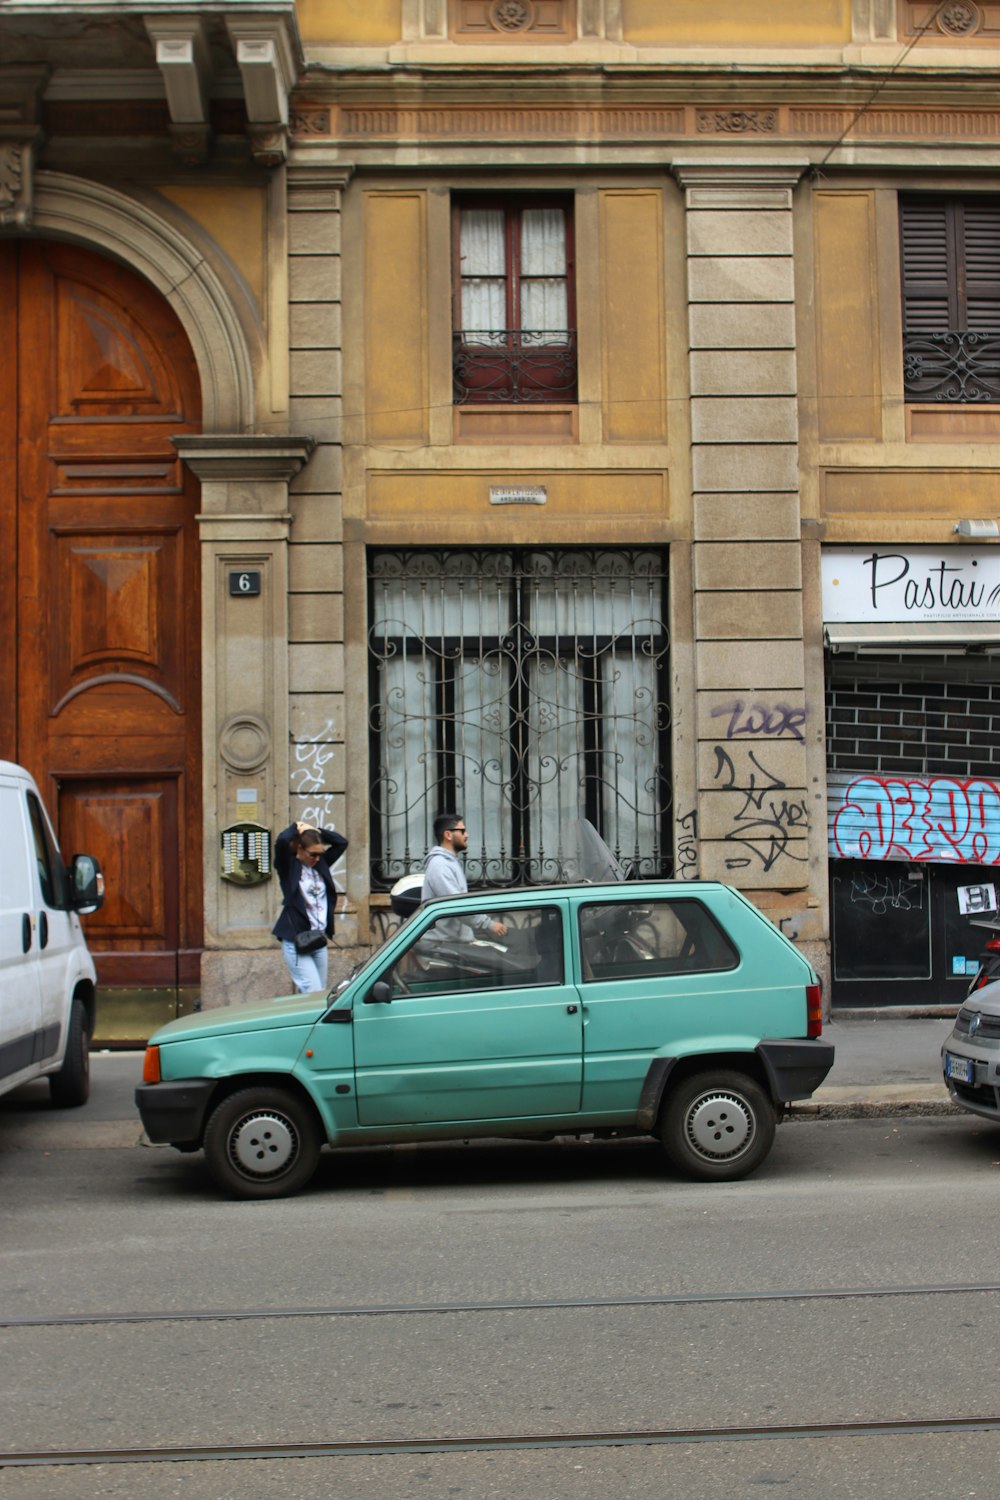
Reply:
x=717, y=1126
x=71, y=1085
x=262, y=1143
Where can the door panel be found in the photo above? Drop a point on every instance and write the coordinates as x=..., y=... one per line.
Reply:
x=470, y=1035
x=107, y=628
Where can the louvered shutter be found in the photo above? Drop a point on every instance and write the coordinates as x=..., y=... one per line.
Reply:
x=927, y=244
x=979, y=264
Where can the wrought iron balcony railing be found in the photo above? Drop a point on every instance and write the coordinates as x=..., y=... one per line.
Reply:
x=514, y=365
x=954, y=365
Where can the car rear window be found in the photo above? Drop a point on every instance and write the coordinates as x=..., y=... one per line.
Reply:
x=643, y=939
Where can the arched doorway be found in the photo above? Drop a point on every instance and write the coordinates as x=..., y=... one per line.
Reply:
x=99, y=610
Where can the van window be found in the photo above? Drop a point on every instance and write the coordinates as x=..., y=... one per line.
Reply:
x=51, y=872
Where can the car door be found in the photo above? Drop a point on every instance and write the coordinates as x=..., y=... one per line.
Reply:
x=659, y=975
x=478, y=1027
x=19, y=997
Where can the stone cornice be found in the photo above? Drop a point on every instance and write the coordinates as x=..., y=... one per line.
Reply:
x=245, y=457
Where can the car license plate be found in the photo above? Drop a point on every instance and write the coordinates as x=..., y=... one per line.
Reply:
x=958, y=1067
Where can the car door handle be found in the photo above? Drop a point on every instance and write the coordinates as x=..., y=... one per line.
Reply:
x=43, y=930
x=26, y=933
x=571, y=1010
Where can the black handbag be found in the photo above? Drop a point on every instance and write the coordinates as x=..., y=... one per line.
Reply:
x=311, y=941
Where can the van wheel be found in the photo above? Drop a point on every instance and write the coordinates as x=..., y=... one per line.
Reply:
x=717, y=1126
x=71, y=1085
x=261, y=1143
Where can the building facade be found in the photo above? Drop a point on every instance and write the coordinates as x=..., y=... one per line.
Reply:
x=544, y=409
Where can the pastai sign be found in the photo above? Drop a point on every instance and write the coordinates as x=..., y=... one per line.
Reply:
x=910, y=584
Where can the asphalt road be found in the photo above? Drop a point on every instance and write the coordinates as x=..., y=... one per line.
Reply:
x=368, y=1310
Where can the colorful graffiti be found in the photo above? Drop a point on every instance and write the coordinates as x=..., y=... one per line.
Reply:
x=936, y=819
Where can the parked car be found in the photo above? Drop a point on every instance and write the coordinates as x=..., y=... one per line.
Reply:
x=47, y=977
x=970, y=1056
x=664, y=1009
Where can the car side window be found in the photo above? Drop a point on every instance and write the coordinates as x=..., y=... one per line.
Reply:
x=640, y=940
x=455, y=956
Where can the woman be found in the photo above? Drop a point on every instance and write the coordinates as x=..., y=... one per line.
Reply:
x=302, y=858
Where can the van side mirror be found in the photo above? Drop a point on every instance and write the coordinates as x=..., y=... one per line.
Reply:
x=86, y=884
x=379, y=994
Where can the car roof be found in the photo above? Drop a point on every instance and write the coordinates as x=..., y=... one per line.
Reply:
x=637, y=889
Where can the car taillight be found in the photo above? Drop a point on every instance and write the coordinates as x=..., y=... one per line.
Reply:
x=993, y=945
x=151, y=1066
x=814, y=1010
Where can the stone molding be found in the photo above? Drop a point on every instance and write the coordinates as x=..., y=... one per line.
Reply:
x=227, y=458
x=732, y=183
x=750, y=118
x=94, y=214
x=20, y=134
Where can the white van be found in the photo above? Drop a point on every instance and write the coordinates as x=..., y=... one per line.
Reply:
x=47, y=977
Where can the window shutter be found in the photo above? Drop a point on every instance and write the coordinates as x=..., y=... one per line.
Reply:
x=927, y=233
x=981, y=263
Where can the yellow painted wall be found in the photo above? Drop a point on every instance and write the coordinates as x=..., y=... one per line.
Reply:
x=728, y=23
x=395, y=318
x=350, y=23
x=236, y=218
x=906, y=493
x=847, y=321
x=632, y=316
x=441, y=505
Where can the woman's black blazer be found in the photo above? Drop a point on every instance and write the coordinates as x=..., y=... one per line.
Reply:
x=293, y=916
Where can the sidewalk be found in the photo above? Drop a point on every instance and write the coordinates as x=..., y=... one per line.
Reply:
x=887, y=1062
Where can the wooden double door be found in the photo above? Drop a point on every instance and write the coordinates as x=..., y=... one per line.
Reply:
x=99, y=593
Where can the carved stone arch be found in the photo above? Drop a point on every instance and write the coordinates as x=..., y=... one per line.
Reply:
x=130, y=230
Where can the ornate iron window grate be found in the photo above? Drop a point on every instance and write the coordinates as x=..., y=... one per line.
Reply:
x=514, y=366
x=953, y=365
x=525, y=688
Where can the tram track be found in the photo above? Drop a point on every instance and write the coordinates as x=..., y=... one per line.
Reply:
x=545, y=1304
x=485, y=1443
x=471, y=1441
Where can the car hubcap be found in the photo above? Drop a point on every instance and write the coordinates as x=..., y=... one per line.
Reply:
x=263, y=1144
x=720, y=1126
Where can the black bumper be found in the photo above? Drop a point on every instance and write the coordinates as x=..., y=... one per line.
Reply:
x=174, y=1113
x=795, y=1069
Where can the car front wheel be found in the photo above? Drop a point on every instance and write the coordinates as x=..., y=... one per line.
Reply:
x=261, y=1143
x=718, y=1126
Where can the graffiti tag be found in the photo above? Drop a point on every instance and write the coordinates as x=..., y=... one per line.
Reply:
x=687, y=846
x=880, y=892
x=765, y=821
x=774, y=719
x=939, y=818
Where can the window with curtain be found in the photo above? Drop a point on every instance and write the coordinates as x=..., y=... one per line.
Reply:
x=514, y=330
x=525, y=688
x=950, y=252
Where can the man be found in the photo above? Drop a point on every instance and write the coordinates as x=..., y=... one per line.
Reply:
x=444, y=875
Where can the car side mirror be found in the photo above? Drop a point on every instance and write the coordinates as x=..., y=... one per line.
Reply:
x=379, y=994
x=86, y=884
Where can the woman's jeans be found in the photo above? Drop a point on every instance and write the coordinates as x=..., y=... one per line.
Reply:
x=308, y=970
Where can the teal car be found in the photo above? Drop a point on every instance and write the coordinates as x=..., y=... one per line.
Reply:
x=668, y=1009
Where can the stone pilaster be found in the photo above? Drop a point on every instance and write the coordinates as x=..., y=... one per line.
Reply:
x=244, y=523
x=752, y=716
x=319, y=788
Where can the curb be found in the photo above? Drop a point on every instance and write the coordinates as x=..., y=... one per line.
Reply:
x=879, y=1103
x=38, y=1134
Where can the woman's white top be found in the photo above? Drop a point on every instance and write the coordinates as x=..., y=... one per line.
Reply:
x=314, y=894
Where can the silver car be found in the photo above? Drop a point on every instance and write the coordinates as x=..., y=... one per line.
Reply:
x=970, y=1057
